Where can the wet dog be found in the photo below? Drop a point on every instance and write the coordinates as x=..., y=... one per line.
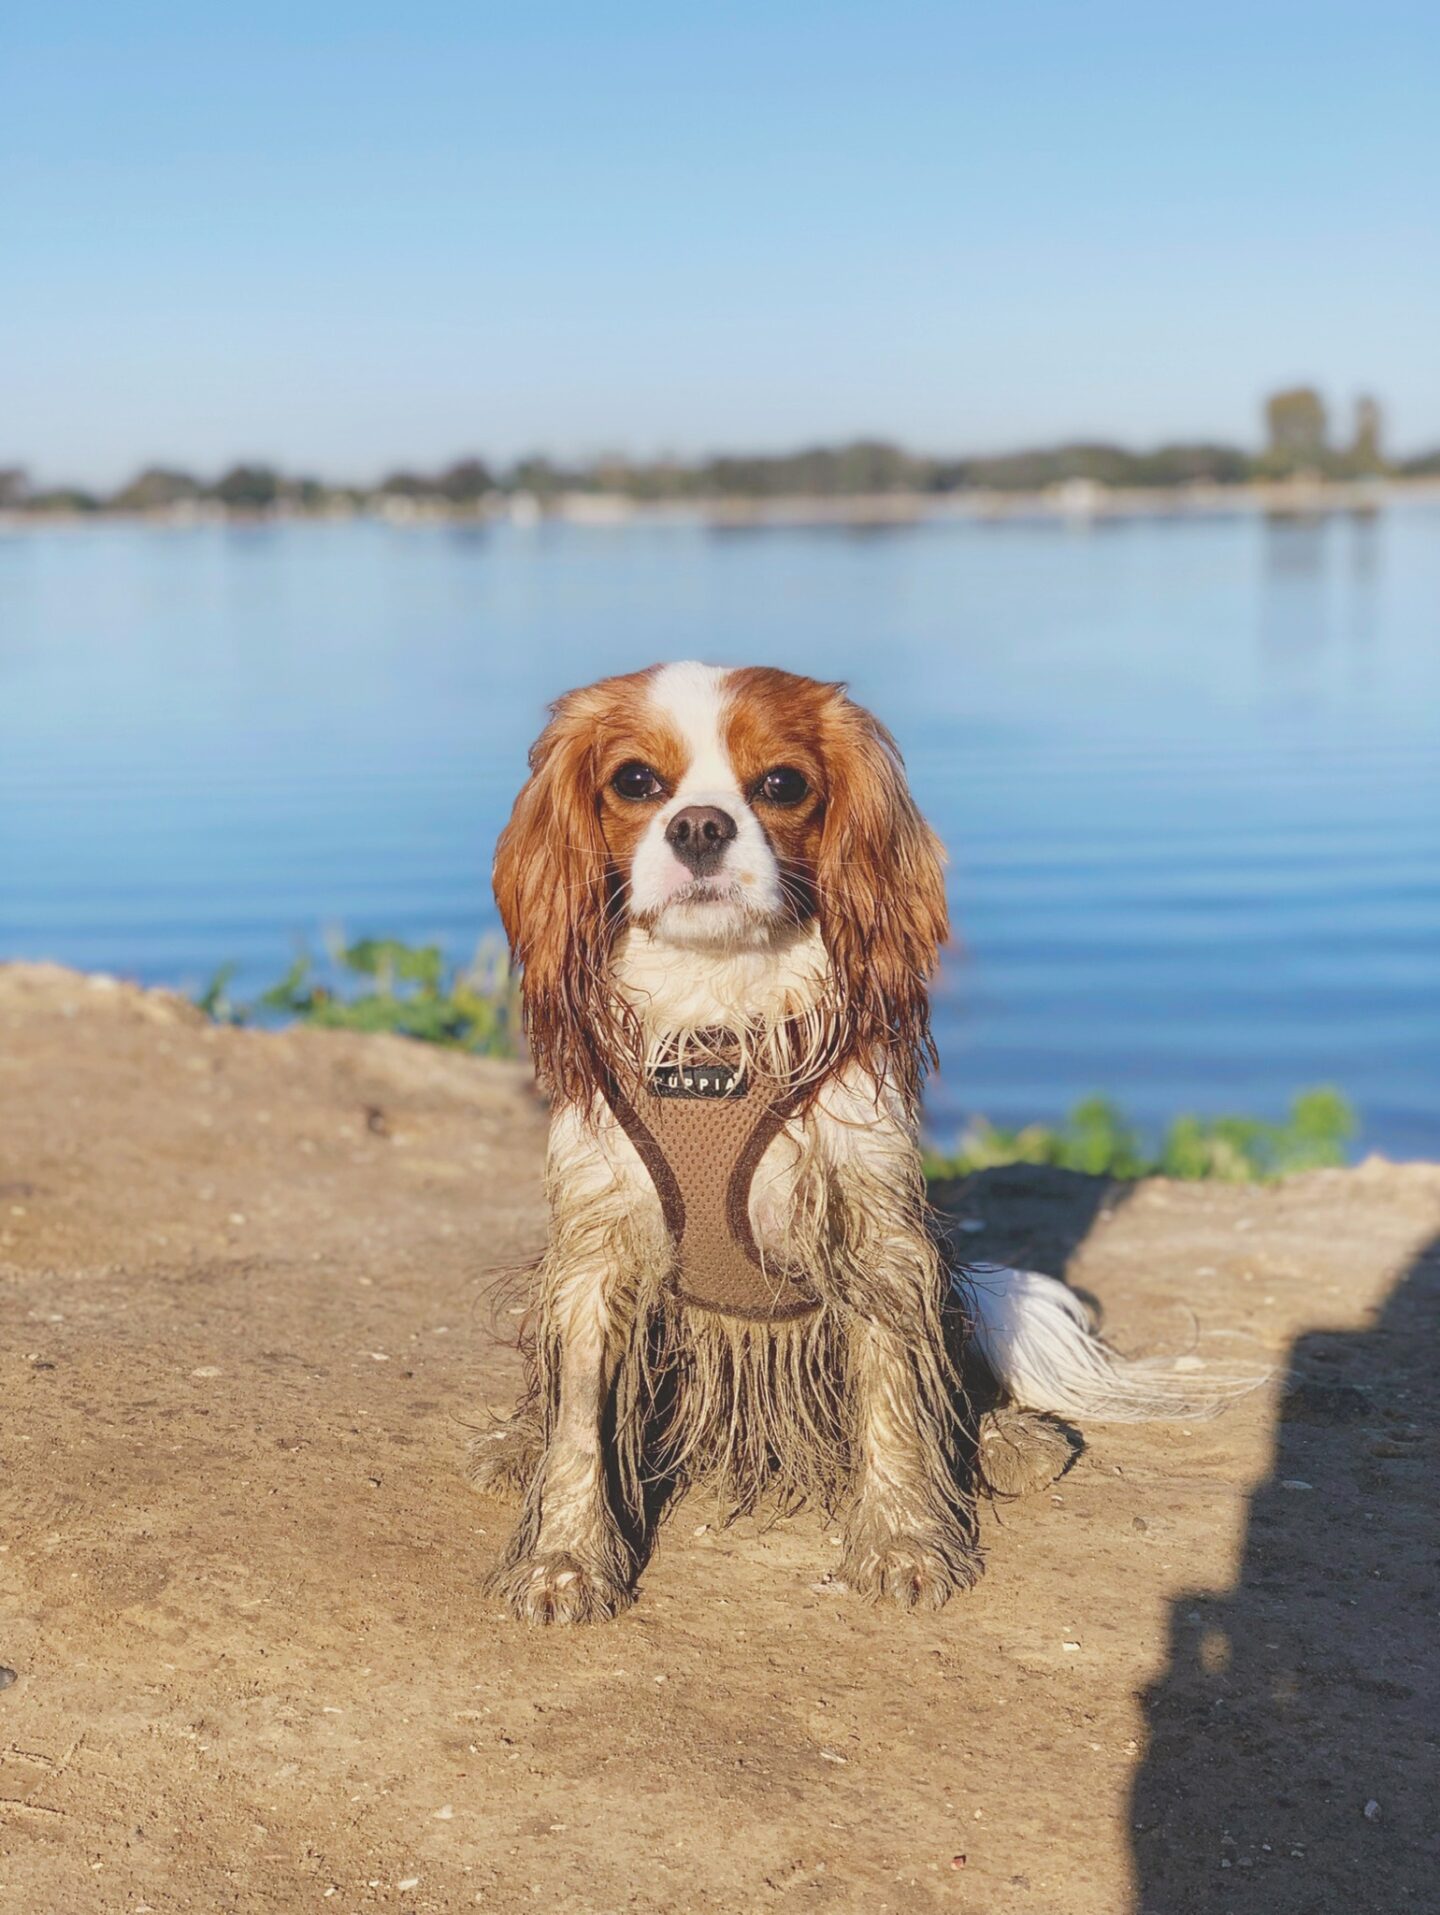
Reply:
x=727, y=908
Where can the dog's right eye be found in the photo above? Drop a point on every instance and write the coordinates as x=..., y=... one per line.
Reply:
x=637, y=781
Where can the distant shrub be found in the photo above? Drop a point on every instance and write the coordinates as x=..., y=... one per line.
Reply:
x=381, y=984
x=1095, y=1138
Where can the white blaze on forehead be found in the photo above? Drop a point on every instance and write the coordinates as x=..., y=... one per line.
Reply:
x=692, y=701
x=692, y=698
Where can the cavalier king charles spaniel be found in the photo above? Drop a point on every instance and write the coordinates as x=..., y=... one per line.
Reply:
x=726, y=908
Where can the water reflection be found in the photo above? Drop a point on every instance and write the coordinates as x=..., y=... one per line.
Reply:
x=1294, y=611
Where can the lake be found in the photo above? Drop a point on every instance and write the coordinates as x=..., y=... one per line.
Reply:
x=1188, y=772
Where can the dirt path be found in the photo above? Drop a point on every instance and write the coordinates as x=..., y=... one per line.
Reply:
x=242, y=1325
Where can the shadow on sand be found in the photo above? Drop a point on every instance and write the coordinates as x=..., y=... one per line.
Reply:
x=1034, y=1216
x=1309, y=1690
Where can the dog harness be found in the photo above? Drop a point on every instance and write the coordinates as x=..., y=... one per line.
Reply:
x=701, y=1129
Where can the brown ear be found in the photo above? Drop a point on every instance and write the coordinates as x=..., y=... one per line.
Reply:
x=882, y=896
x=552, y=884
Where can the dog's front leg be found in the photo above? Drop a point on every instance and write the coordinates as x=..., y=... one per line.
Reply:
x=568, y=1561
x=910, y=1537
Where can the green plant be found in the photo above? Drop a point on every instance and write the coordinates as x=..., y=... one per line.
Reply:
x=382, y=984
x=215, y=1000
x=1095, y=1138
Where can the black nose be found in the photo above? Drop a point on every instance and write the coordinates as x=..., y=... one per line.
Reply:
x=698, y=836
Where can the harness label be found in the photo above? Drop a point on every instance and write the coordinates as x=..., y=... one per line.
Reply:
x=698, y=1080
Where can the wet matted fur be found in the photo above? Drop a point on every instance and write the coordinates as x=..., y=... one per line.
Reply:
x=701, y=851
x=857, y=1408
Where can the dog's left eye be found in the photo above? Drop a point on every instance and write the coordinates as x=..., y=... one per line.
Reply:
x=637, y=781
x=782, y=786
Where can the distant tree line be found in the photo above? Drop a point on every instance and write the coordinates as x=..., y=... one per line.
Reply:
x=1298, y=443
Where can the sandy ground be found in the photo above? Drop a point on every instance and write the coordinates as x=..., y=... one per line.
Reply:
x=243, y=1325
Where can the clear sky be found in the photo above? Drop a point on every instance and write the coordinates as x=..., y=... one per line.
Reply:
x=347, y=236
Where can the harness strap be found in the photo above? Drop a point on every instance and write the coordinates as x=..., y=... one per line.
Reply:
x=701, y=1130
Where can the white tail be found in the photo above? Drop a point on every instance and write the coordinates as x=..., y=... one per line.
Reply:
x=1037, y=1337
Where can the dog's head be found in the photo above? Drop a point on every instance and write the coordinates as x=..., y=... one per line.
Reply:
x=721, y=811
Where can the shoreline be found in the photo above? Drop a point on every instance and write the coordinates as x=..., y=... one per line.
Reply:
x=1077, y=502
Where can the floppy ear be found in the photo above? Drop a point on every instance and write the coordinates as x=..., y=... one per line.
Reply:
x=552, y=884
x=881, y=896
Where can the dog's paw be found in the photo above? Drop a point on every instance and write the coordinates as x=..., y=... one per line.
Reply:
x=1020, y=1452
x=912, y=1571
x=557, y=1587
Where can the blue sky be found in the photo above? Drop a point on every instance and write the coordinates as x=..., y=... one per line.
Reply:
x=353, y=236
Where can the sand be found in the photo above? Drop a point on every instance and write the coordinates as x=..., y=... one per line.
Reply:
x=245, y=1322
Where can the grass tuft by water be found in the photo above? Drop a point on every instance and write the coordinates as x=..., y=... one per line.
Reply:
x=382, y=984
x=1097, y=1138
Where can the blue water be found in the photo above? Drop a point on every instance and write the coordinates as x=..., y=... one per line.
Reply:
x=1188, y=773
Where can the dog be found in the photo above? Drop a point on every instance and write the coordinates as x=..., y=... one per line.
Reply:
x=726, y=908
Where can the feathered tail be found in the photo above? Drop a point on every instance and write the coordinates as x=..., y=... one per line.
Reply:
x=1038, y=1339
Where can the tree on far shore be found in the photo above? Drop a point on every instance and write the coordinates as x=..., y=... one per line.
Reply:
x=248, y=488
x=1296, y=425
x=1297, y=442
x=154, y=489
x=466, y=482
x=1367, y=453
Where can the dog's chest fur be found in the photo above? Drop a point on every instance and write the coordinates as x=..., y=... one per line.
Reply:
x=701, y=1129
x=848, y=1136
x=849, y=1125
x=749, y=1404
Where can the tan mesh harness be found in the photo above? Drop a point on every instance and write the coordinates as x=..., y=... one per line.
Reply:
x=701, y=1129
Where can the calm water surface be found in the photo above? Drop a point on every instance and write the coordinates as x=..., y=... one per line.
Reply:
x=1188, y=774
